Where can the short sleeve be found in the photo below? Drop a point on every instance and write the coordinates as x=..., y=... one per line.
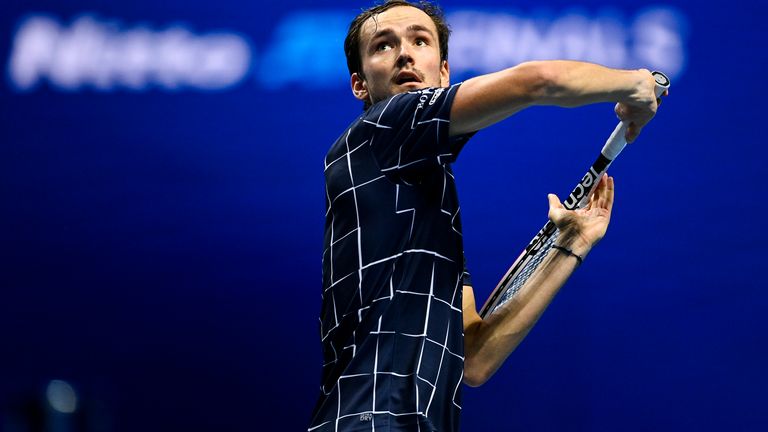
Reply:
x=410, y=132
x=466, y=277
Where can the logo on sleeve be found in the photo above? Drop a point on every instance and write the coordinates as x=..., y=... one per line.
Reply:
x=437, y=94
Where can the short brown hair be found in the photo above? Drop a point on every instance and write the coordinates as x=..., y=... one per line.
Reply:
x=352, y=41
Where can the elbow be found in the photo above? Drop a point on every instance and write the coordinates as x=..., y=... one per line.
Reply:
x=474, y=381
x=474, y=375
x=479, y=363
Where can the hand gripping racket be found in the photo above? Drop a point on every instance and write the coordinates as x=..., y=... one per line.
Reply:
x=525, y=265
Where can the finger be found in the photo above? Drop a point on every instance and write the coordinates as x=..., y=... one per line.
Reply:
x=590, y=202
x=621, y=111
x=630, y=135
x=600, y=191
x=594, y=194
x=603, y=191
x=556, y=209
x=610, y=190
x=554, y=202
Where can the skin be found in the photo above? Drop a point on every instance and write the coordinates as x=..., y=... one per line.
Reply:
x=402, y=41
x=400, y=52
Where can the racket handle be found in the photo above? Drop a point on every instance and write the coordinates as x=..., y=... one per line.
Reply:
x=616, y=142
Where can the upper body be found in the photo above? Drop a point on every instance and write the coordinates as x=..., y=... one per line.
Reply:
x=397, y=54
x=393, y=274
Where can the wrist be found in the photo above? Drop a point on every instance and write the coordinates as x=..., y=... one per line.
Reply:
x=570, y=253
x=573, y=241
x=638, y=84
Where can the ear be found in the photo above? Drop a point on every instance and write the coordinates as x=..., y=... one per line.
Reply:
x=359, y=87
x=445, y=74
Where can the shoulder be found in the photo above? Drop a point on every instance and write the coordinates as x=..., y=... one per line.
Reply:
x=428, y=99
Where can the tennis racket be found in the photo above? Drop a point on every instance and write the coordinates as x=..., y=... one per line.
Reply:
x=525, y=264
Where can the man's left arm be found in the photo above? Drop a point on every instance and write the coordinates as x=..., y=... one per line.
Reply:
x=488, y=342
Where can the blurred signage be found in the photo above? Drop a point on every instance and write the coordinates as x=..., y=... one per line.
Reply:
x=102, y=55
x=305, y=49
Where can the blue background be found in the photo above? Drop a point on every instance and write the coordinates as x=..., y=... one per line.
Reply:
x=161, y=249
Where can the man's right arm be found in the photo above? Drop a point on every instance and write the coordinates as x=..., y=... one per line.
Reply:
x=488, y=99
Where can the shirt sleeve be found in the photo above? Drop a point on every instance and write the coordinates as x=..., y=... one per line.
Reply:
x=410, y=133
x=466, y=277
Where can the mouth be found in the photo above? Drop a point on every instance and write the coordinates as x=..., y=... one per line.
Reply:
x=407, y=78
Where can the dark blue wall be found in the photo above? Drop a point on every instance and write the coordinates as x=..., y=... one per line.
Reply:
x=161, y=230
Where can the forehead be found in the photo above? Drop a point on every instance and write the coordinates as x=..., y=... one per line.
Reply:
x=398, y=18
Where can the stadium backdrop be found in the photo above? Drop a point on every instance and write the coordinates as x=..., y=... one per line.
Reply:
x=161, y=172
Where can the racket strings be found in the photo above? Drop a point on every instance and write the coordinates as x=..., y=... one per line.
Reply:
x=525, y=272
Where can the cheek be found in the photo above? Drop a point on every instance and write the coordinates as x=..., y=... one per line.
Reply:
x=378, y=73
x=380, y=64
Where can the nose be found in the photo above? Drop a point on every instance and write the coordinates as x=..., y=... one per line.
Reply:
x=404, y=56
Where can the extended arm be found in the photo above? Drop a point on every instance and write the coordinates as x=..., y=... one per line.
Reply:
x=487, y=343
x=488, y=99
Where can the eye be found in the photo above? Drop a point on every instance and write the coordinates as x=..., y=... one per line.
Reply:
x=383, y=46
x=421, y=42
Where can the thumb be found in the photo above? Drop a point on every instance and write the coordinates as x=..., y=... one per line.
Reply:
x=554, y=202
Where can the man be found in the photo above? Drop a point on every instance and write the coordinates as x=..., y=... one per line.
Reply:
x=399, y=324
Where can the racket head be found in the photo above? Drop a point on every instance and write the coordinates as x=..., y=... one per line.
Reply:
x=526, y=263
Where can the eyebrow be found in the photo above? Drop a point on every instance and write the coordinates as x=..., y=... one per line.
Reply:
x=413, y=28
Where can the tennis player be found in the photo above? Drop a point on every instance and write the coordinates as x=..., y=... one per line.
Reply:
x=399, y=325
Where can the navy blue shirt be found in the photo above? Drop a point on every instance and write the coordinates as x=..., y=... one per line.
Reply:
x=393, y=270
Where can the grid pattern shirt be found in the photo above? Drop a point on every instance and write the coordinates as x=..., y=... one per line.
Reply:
x=393, y=269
